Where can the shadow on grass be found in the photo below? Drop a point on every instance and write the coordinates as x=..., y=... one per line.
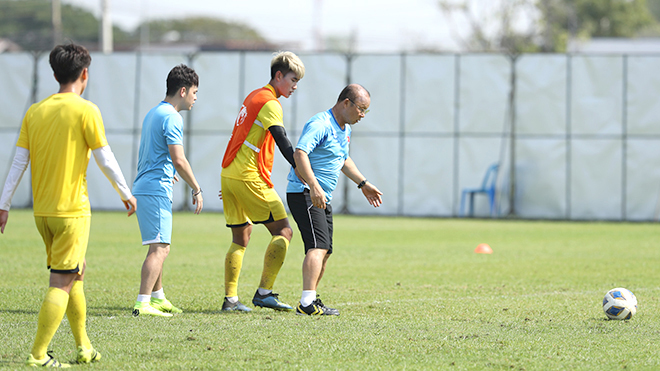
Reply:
x=119, y=311
x=13, y=364
x=18, y=311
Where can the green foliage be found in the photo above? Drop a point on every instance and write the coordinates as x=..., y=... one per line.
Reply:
x=554, y=22
x=201, y=30
x=561, y=19
x=29, y=24
x=412, y=294
x=654, y=8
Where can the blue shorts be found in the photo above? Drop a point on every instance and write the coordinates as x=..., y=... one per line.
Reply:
x=154, y=214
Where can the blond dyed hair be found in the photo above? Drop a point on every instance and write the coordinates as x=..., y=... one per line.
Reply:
x=286, y=62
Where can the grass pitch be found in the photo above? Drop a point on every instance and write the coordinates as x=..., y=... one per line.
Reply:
x=412, y=294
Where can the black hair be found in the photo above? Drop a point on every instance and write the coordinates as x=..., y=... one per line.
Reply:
x=351, y=92
x=68, y=61
x=179, y=77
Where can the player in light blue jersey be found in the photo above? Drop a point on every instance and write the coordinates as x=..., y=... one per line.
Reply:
x=161, y=156
x=321, y=154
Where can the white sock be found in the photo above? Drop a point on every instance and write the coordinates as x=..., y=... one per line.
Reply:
x=160, y=294
x=232, y=299
x=144, y=298
x=308, y=296
x=264, y=292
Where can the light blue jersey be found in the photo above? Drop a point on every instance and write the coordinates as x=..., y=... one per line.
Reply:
x=326, y=144
x=162, y=126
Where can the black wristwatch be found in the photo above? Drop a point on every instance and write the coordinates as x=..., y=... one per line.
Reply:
x=362, y=183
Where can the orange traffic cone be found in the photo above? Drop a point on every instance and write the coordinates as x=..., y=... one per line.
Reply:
x=483, y=248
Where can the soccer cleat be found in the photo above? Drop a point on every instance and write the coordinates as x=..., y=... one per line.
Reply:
x=49, y=361
x=145, y=309
x=87, y=355
x=237, y=306
x=269, y=301
x=316, y=309
x=164, y=305
x=328, y=311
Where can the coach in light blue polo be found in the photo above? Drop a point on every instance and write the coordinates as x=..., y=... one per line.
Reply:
x=326, y=144
x=321, y=154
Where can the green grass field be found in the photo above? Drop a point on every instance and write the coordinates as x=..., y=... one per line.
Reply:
x=412, y=294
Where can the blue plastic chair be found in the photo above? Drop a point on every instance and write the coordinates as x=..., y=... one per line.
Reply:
x=487, y=188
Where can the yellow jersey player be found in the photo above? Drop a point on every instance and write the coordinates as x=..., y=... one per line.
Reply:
x=57, y=136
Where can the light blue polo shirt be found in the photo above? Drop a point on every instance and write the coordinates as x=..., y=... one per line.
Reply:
x=326, y=144
x=162, y=126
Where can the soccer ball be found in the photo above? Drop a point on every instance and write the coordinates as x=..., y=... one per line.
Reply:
x=620, y=303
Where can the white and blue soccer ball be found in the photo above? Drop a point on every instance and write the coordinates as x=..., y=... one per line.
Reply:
x=620, y=303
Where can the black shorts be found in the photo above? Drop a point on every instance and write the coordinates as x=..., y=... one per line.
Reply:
x=315, y=224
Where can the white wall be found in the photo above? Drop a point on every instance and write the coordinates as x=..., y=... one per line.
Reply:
x=585, y=134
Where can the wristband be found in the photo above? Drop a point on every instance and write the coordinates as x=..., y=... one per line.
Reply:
x=196, y=193
x=362, y=183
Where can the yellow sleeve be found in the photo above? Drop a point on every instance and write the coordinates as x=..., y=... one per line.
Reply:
x=271, y=114
x=94, y=129
x=23, y=140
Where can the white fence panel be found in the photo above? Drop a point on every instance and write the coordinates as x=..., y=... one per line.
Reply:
x=595, y=180
x=596, y=95
x=541, y=94
x=643, y=178
x=643, y=105
x=541, y=178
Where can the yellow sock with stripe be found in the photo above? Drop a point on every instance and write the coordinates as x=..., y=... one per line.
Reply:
x=233, y=264
x=76, y=312
x=50, y=316
x=273, y=260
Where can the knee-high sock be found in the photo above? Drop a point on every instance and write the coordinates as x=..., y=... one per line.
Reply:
x=273, y=261
x=50, y=316
x=76, y=312
x=233, y=264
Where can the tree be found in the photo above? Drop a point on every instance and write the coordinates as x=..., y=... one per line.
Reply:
x=584, y=19
x=492, y=27
x=553, y=22
x=28, y=23
x=200, y=31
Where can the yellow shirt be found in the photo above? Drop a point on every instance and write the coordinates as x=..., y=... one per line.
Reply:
x=244, y=166
x=60, y=132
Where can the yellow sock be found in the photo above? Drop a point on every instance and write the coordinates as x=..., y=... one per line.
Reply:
x=50, y=316
x=233, y=264
x=76, y=312
x=273, y=260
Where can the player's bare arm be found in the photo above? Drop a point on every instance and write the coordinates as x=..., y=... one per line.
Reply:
x=304, y=167
x=369, y=190
x=4, y=215
x=182, y=166
x=18, y=166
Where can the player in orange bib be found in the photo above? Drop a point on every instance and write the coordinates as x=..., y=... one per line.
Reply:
x=247, y=194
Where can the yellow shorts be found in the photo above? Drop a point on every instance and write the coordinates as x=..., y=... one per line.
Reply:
x=66, y=242
x=247, y=202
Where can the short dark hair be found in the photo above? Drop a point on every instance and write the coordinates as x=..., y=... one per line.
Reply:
x=179, y=77
x=351, y=92
x=68, y=61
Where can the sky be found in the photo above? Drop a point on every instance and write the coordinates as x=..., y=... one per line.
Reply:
x=376, y=25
